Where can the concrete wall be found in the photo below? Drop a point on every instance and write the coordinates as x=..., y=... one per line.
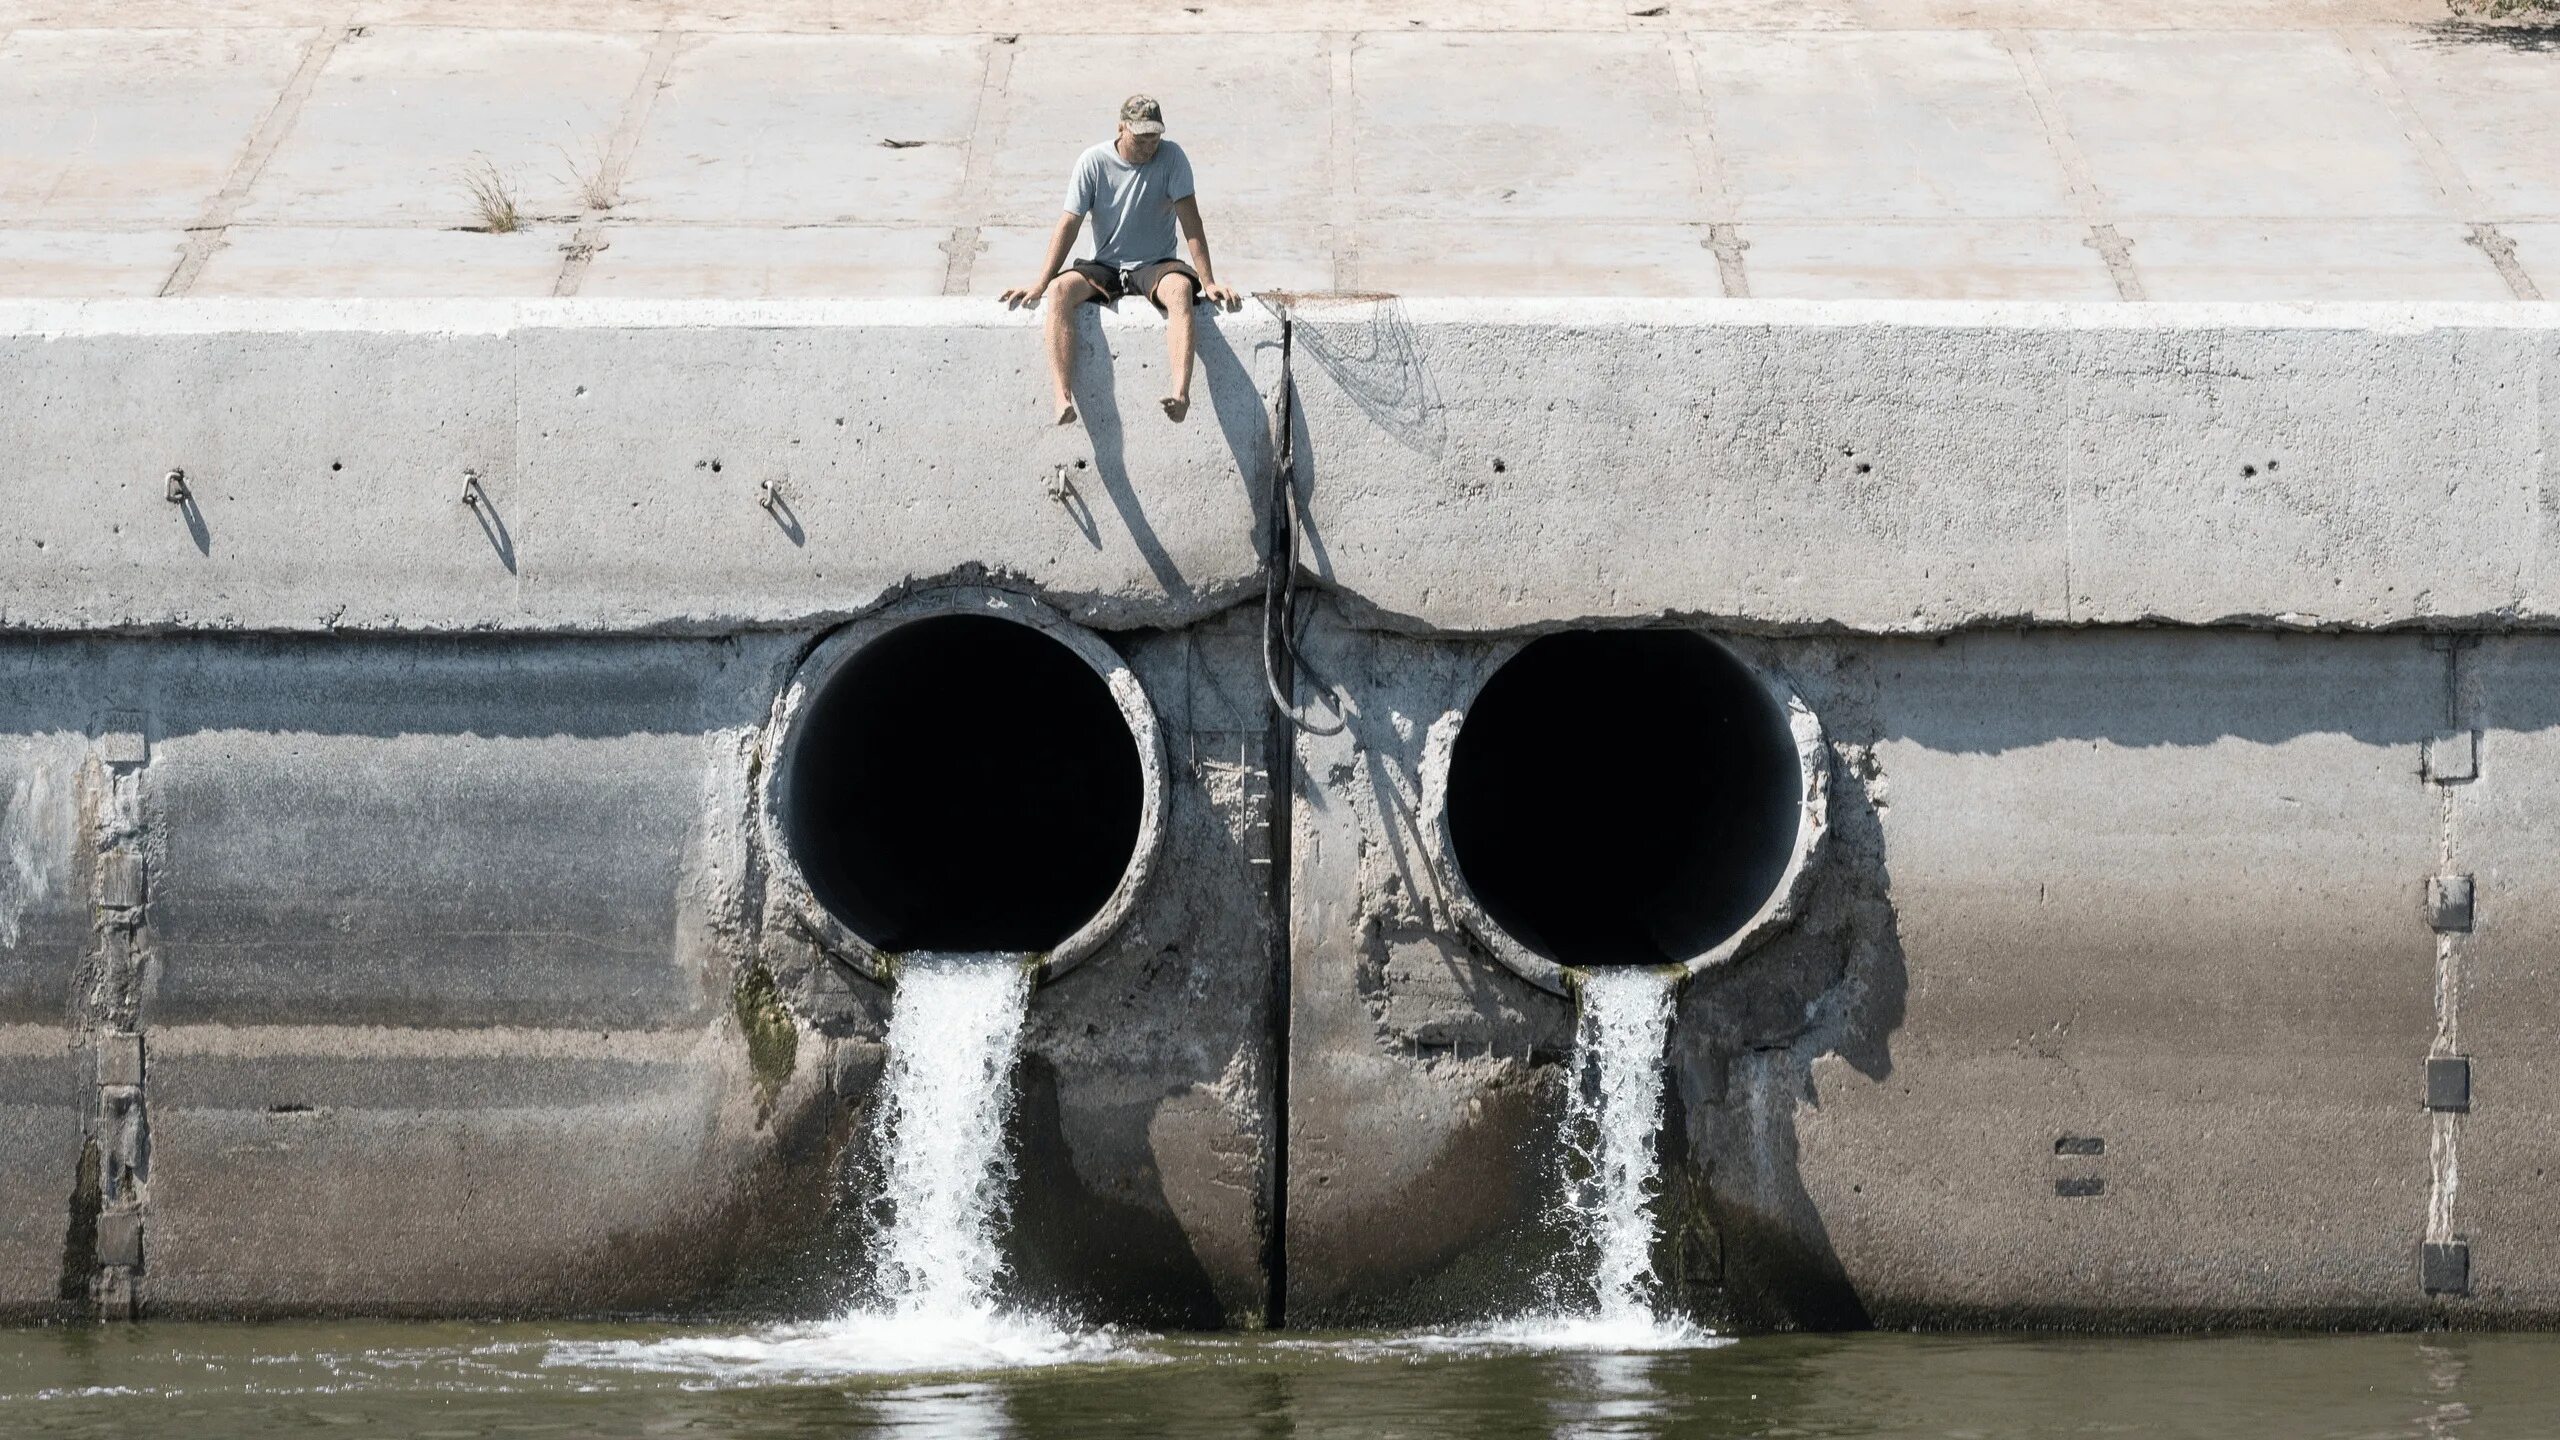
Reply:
x=415, y=838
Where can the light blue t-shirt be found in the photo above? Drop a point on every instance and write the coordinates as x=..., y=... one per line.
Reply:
x=1131, y=205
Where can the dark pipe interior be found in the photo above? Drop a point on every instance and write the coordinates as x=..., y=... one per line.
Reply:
x=964, y=783
x=1623, y=796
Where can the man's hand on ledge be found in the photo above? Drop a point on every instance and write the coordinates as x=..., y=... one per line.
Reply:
x=1021, y=295
x=1225, y=297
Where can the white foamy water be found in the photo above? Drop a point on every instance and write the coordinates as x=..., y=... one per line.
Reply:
x=1613, y=1113
x=955, y=1027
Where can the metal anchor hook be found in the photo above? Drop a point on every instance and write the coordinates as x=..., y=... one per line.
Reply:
x=177, y=487
x=1062, y=482
x=768, y=495
x=471, y=495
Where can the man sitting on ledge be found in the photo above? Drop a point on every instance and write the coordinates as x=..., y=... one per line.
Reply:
x=1135, y=188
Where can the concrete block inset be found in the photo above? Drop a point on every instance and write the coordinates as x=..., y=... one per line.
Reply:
x=2445, y=1269
x=120, y=1059
x=2449, y=1083
x=2453, y=757
x=124, y=741
x=121, y=881
x=2449, y=903
x=120, y=1238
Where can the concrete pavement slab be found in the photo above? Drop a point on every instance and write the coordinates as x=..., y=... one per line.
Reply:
x=795, y=129
x=1252, y=115
x=2311, y=260
x=2011, y=260
x=131, y=127
x=74, y=264
x=2538, y=251
x=1536, y=258
x=407, y=264
x=1913, y=124
x=2493, y=100
x=1546, y=127
x=958, y=17
x=399, y=117
x=2233, y=124
x=1250, y=256
x=749, y=262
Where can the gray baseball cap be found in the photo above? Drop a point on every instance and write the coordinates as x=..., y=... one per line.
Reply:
x=1142, y=115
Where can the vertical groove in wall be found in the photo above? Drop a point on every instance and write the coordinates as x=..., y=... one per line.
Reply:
x=2444, y=1149
x=1280, y=769
x=111, y=1194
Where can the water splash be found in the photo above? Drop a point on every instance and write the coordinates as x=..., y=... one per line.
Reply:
x=1613, y=1116
x=955, y=1030
x=953, y=1035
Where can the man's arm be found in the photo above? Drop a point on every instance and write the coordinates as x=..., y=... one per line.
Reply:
x=1186, y=212
x=1061, y=240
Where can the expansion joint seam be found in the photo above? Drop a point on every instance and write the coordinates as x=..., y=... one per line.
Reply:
x=212, y=227
x=614, y=166
x=977, y=169
x=2114, y=250
x=1342, y=151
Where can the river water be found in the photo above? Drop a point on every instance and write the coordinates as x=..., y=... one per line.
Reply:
x=435, y=1381
x=934, y=1350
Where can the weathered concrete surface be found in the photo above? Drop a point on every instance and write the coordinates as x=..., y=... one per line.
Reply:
x=1914, y=467
x=444, y=956
x=444, y=947
x=621, y=463
x=1144, y=1139
x=1914, y=149
x=1471, y=466
x=2161, y=896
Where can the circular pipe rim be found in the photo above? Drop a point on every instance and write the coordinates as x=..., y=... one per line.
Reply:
x=832, y=654
x=1785, y=900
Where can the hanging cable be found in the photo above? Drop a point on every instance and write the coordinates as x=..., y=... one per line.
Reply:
x=1280, y=659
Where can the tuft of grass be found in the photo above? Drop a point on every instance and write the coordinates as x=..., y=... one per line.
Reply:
x=493, y=195
x=588, y=177
x=2503, y=9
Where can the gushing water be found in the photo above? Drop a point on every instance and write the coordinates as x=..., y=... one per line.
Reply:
x=953, y=1034
x=955, y=1027
x=1612, y=1115
x=1613, y=1112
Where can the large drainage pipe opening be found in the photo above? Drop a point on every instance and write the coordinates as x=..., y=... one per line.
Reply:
x=964, y=783
x=1624, y=797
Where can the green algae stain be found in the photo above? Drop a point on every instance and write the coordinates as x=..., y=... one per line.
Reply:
x=773, y=1041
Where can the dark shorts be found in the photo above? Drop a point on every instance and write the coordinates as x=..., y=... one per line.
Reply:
x=1133, y=280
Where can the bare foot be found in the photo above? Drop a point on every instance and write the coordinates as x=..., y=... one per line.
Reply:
x=1175, y=407
x=1066, y=412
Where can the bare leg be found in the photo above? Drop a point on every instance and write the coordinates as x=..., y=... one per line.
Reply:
x=1066, y=295
x=1175, y=293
